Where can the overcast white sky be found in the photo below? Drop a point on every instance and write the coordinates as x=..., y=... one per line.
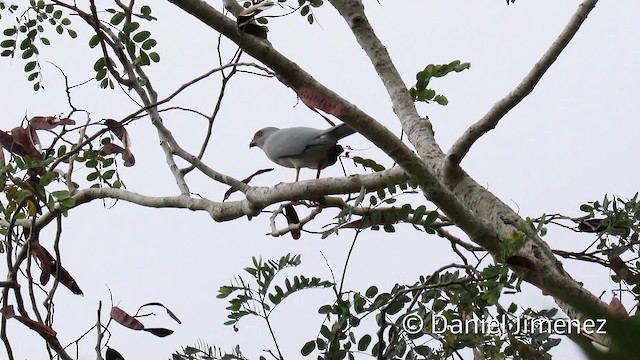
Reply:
x=573, y=140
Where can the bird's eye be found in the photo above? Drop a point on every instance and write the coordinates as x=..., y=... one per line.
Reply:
x=259, y=134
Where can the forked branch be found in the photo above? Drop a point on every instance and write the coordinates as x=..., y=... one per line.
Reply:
x=489, y=121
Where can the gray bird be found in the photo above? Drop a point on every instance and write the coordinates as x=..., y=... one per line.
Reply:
x=299, y=147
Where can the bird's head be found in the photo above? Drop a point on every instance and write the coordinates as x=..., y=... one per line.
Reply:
x=261, y=136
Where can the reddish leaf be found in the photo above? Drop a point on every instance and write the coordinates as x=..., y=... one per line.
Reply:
x=173, y=316
x=127, y=156
x=122, y=134
x=620, y=268
x=50, y=266
x=48, y=122
x=159, y=332
x=119, y=131
x=8, y=143
x=21, y=136
x=246, y=181
x=111, y=148
x=45, y=258
x=38, y=327
x=476, y=355
x=292, y=218
x=129, y=159
x=8, y=312
x=316, y=99
x=616, y=307
x=125, y=319
x=111, y=354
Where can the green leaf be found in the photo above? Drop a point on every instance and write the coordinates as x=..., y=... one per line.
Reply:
x=441, y=99
x=130, y=27
x=47, y=178
x=431, y=218
x=8, y=43
x=68, y=203
x=364, y=342
x=586, y=208
x=23, y=194
x=117, y=18
x=30, y=66
x=154, y=57
x=61, y=195
x=418, y=213
x=94, y=41
x=141, y=36
x=308, y=348
x=148, y=44
x=371, y=292
x=145, y=10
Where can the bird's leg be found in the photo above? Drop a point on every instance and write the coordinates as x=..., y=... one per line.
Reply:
x=297, y=174
x=318, y=173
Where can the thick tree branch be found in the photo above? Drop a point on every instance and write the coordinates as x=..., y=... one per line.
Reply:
x=418, y=130
x=483, y=217
x=488, y=122
x=295, y=77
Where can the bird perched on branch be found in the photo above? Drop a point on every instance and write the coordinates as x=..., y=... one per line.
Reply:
x=302, y=147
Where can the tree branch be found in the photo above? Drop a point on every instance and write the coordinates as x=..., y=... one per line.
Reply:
x=488, y=122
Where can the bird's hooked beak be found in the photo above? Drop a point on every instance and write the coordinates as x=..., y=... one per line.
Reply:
x=252, y=144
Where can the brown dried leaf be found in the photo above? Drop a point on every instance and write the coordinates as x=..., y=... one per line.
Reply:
x=21, y=136
x=318, y=100
x=45, y=258
x=111, y=148
x=50, y=266
x=119, y=131
x=48, y=122
x=7, y=142
x=246, y=181
x=169, y=312
x=476, y=355
x=112, y=354
x=129, y=159
x=616, y=308
x=38, y=327
x=292, y=218
x=125, y=319
x=127, y=156
x=8, y=312
x=159, y=332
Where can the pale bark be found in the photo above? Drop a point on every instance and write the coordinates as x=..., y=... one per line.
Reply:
x=482, y=216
